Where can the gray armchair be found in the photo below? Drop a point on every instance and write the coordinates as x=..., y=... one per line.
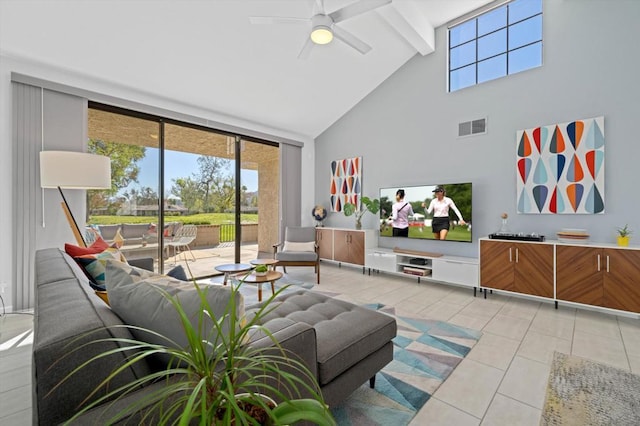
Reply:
x=299, y=249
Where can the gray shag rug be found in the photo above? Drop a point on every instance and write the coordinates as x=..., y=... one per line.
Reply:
x=583, y=392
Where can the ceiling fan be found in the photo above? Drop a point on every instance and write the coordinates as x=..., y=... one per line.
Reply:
x=323, y=25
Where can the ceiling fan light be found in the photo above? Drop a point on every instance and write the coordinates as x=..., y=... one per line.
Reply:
x=321, y=35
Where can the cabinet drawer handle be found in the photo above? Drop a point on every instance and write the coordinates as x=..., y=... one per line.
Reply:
x=517, y=255
x=510, y=256
x=598, y=263
x=607, y=263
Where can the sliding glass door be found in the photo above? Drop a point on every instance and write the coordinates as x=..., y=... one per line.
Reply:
x=219, y=192
x=126, y=215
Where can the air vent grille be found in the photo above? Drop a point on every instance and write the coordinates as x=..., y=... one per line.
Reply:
x=472, y=127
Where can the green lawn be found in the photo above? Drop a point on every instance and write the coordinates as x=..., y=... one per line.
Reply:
x=459, y=233
x=194, y=219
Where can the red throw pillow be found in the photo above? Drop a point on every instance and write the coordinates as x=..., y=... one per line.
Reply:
x=98, y=246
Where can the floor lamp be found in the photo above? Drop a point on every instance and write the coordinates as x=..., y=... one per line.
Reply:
x=74, y=170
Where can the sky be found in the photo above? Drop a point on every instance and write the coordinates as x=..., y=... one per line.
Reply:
x=411, y=193
x=180, y=164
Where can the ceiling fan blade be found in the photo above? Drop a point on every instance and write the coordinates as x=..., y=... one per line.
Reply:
x=306, y=49
x=355, y=9
x=350, y=39
x=276, y=20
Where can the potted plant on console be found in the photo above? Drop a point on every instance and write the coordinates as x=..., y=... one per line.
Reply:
x=624, y=234
x=368, y=205
x=216, y=377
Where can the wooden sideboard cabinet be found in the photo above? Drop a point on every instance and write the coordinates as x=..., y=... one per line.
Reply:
x=622, y=279
x=595, y=274
x=579, y=276
x=348, y=246
x=608, y=277
x=345, y=245
x=324, y=239
x=519, y=267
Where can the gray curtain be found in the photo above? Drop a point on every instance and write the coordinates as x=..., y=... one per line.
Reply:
x=27, y=142
x=51, y=120
x=291, y=186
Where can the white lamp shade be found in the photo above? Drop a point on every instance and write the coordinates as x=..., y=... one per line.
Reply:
x=78, y=170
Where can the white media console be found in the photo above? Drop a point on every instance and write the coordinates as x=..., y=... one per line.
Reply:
x=422, y=265
x=360, y=248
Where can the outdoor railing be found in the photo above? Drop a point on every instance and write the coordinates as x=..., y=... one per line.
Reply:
x=227, y=232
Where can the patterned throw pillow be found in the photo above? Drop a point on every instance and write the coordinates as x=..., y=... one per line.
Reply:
x=94, y=265
x=98, y=246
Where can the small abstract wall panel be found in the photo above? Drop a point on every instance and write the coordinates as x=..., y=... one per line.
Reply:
x=346, y=183
x=560, y=168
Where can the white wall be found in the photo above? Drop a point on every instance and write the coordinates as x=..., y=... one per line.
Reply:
x=406, y=129
x=10, y=63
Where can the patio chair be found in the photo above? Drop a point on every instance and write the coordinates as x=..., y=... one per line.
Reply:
x=181, y=240
x=299, y=249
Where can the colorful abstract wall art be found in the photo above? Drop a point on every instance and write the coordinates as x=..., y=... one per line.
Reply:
x=560, y=168
x=346, y=183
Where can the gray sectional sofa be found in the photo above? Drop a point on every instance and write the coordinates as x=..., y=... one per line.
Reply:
x=341, y=343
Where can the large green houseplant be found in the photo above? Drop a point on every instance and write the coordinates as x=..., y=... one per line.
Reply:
x=214, y=378
x=368, y=205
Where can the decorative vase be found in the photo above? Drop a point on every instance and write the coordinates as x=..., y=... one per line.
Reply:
x=261, y=274
x=504, y=228
x=623, y=241
x=358, y=224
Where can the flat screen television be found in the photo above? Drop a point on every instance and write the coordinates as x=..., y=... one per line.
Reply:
x=421, y=223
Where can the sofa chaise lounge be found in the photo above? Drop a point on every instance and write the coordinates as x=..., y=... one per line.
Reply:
x=344, y=345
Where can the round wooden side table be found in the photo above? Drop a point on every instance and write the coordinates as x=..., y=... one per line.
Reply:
x=232, y=268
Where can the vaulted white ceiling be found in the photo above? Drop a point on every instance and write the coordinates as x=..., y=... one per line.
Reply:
x=207, y=54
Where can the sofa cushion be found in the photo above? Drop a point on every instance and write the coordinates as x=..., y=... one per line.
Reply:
x=178, y=273
x=134, y=230
x=297, y=247
x=346, y=333
x=134, y=295
x=297, y=256
x=300, y=234
x=108, y=231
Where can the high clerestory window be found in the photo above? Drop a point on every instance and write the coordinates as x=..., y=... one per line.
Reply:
x=502, y=41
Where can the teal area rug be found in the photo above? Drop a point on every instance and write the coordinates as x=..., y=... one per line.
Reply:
x=425, y=353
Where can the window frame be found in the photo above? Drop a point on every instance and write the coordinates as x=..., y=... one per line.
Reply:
x=478, y=38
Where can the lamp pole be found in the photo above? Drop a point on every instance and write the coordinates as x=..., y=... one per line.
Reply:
x=72, y=220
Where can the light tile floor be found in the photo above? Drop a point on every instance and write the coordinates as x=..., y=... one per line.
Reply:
x=502, y=381
x=16, y=337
